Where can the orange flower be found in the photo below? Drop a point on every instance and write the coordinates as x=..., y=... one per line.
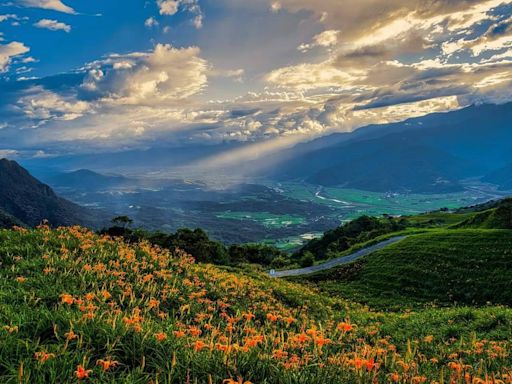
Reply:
x=71, y=335
x=89, y=296
x=428, y=339
x=248, y=316
x=321, y=341
x=395, y=377
x=239, y=381
x=301, y=338
x=199, y=346
x=107, y=364
x=289, y=320
x=344, y=327
x=21, y=279
x=271, y=317
x=195, y=331
x=82, y=373
x=153, y=303
x=66, y=299
x=42, y=357
x=358, y=363
x=179, y=334
x=370, y=364
x=160, y=336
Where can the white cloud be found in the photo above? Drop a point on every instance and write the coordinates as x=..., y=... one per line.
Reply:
x=151, y=22
x=55, y=5
x=43, y=105
x=168, y=7
x=6, y=153
x=309, y=76
x=165, y=75
x=8, y=17
x=53, y=25
x=171, y=7
x=8, y=51
x=325, y=39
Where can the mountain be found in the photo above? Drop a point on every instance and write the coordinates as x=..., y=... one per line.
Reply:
x=8, y=221
x=427, y=154
x=84, y=179
x=501, y=177
x=25, y=200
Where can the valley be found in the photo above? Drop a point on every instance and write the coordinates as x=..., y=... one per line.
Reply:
x=282, y=214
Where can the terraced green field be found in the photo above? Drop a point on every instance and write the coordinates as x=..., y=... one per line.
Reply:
x=351, y=203
x=268, y=220
x=470, y=267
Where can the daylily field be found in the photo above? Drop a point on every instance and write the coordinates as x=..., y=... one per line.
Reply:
x=76, y=307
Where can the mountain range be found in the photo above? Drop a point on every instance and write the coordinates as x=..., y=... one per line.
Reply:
x=24, y=200
x=428, y=154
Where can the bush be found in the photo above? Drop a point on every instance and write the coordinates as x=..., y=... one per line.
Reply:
x=307, y=260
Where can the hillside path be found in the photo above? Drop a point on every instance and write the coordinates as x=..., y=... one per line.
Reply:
x=338, y=261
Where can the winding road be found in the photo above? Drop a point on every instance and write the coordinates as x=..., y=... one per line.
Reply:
x=338, y=261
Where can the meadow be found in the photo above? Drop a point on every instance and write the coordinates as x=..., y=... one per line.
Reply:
x=444, y=267
x=78, y=307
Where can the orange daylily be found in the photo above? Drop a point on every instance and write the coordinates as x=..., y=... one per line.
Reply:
x=82, y=373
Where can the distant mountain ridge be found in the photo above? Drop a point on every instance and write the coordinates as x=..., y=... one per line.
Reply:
x=430, y=154
x=86, y=179
x=24, y=200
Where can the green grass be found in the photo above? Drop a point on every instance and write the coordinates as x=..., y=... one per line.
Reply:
x=471, y=267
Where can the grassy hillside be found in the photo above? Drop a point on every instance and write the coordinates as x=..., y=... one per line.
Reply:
x=78, y=307
x=443, y=266
x=497, y=217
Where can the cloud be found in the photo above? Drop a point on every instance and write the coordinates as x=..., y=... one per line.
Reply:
x=8, y=17
x=168, y=7
x=9, y=51
x=54, y=5
x=151, y=22
x=309, y=76
x=53, y=25
x=42, y=105
x=325, y=39
x=119, y=100
x=166, y=74
x=171, y=7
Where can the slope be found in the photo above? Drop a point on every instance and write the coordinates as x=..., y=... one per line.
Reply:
x=74, y=306
x=468, y=267
x=30, y=201
x=431, y=153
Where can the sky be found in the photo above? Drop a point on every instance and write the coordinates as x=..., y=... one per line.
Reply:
x=87, y=76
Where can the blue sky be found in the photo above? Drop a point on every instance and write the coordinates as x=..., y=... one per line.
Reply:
x=96, y=75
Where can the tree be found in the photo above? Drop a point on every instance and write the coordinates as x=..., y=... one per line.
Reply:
x=122, y=221
x=307, y=260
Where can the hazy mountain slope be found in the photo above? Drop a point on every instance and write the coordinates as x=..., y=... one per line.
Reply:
x=84, y=179
x=30, y=201
x=7, y=221
x=501, y=177
x=414, y=155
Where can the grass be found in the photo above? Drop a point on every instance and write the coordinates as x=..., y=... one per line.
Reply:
x=444, y=267
x=78, y=307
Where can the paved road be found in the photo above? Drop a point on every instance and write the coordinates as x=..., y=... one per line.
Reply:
x=338, y=261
